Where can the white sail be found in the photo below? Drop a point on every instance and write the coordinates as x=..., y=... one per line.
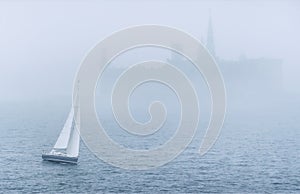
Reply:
x=73, y=146
x=64, y=136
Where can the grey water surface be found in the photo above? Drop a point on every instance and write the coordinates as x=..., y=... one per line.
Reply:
x=257, y=151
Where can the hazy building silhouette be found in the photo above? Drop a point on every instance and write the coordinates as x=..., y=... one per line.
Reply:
x=210, y=39
x=243, y=76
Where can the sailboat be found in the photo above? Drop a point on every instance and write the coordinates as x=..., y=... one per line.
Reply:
x=66, y=148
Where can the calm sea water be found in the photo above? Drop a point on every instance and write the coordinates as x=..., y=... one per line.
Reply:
x=257, y=151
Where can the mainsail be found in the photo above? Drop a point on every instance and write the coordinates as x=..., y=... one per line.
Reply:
x=73, y=146
x=64, y=137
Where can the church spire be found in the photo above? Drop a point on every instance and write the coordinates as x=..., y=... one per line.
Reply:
x=210, y=39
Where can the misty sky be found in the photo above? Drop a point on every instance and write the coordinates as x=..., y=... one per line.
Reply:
x=43, y=43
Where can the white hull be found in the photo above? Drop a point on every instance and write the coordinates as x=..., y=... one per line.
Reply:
x=59, y=158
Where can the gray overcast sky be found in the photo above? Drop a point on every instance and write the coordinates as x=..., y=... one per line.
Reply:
x=43, y=42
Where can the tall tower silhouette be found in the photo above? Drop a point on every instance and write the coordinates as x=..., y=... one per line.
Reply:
x=210, y=39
